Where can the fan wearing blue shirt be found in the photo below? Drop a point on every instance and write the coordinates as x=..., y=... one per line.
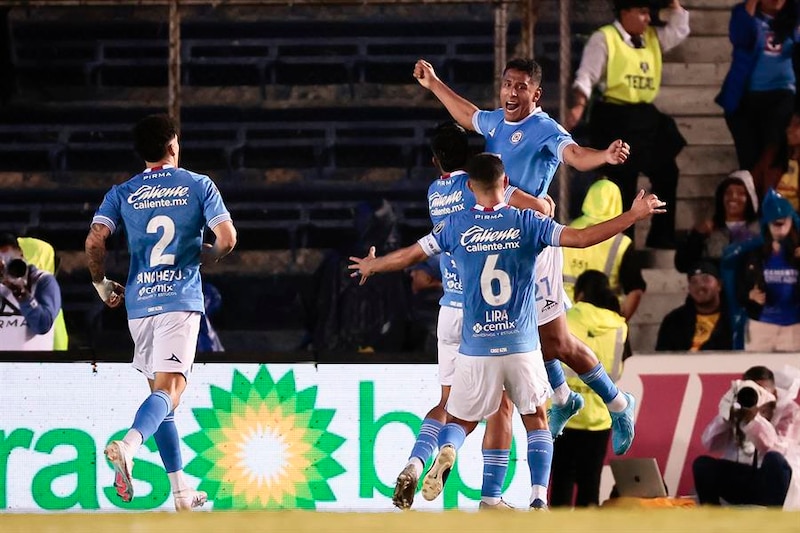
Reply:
x=531, y=145
x=495, y=247
x=164, y=211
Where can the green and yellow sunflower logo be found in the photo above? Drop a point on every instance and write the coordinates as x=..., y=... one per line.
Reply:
x=264, y=445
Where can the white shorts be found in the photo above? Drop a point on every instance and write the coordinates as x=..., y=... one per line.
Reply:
x=479, y=381
x=448, y=335
x=166, y=342
x=550, y=295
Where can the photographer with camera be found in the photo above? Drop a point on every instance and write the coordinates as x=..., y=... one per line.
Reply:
x=757, y=431
x=30, y=299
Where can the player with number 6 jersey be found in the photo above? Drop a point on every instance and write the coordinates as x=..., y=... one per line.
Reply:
x=164, y=211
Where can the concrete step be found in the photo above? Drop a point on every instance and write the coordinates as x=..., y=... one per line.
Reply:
x=704, y=130
x=688, y=100
x=655, y=306
x=709, y=22
x=698, y=186
x=710, y=74
x=664, y=280
x=701, y=49
x=656, y=259
x=691, y=210
x=643, y=337
x=707, y=159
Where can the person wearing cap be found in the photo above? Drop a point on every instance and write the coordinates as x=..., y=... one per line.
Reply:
x=768, y=268
x=702, y=322
x=616, y=257
x=734, y=220
x=758, y=92
x=623, y=60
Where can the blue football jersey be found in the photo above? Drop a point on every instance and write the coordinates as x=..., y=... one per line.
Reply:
x=495, y=249
x=531, y=149
x=164, y=211
x=448, y=195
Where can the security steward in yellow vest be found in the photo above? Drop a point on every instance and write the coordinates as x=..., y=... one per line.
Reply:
x=578, y=454
x=622, y=61
x=615, y=257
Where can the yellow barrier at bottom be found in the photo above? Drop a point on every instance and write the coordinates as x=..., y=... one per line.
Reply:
x=594, y=521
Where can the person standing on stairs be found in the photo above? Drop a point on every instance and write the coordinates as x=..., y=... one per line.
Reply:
x=624, y=61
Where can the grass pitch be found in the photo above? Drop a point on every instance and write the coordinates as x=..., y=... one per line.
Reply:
x=583, y=521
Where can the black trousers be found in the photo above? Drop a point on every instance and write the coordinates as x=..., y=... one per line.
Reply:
x=655, y=143
x=577, y=463
x=759, y=123
x=742, y=484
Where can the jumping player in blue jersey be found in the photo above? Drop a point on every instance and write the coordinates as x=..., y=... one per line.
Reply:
x=164, y=211
x=531, y=145
x=447, y=195
x=495, y=247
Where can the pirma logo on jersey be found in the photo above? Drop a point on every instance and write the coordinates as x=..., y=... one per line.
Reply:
x=264, y=445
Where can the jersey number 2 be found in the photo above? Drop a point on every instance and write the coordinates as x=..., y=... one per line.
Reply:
x=157, y=256
x=488, y=275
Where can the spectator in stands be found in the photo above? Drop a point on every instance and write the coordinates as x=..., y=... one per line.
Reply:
x=579, y=453
x=768, y=287
x=703, y=321
x=616, y=257
x=734, y=220
x=344, y=316
x=757, y=431
x=624, y=60
x=774, y=171
x=426, y=291
x=208, y=339
x=42, y=255
x=759, y=90
x=30, y=299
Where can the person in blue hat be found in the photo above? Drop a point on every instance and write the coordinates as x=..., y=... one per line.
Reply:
x=768, y=268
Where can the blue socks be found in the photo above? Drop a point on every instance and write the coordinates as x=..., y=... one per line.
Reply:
x=452, y=434
x=555, y=374
x=169, y=444
x=151, y=413
x=427, y=440
x=597, y=379
x=540, y=456
x=495, y=465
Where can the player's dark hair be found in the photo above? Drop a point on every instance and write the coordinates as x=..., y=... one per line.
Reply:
x=8, y=239
x=759, y=373
x=450, y=146
x=528, y=66
x=594, y=288
x=152, y=134
x=485, y=169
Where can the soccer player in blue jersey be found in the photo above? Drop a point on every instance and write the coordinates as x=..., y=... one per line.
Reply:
x=531, y=145
x=447, y=195
x=495, y=247
x=164, y=211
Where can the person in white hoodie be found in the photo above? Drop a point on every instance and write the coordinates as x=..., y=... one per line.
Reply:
x=760, y=446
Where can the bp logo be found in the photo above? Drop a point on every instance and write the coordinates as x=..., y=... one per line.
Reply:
x=264, y=445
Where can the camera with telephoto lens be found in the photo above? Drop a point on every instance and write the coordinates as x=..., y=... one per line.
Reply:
x=16, y=269
x=750, y=394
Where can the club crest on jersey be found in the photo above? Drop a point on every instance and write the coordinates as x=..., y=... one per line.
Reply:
x=516, y=137
x=437, y=229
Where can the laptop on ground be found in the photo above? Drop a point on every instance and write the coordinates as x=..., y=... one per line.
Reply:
x=638, y=478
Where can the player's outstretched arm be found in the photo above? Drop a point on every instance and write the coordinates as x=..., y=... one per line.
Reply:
x=459, y=108
x=583, y=159
x=224, y=242
x=397, y=260
x=110, y=291
x=643, y=206
x=522, y=200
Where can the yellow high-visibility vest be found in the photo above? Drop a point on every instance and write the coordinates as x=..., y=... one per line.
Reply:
x=633, y=75
x=42, y=255
x=605, y=257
